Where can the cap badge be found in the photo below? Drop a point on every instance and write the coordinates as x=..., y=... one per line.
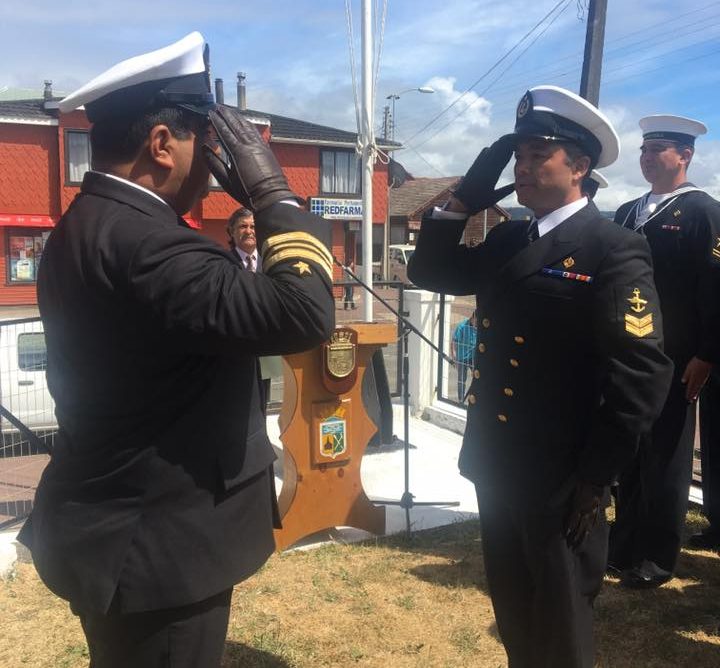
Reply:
x=524, y=105
x=676, y=213
x=568, y=262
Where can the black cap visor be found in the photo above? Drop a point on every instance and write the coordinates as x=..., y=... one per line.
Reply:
x=549, y=127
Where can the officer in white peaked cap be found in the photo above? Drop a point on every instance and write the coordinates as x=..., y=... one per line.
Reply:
x=565, y=374
x=594, y=182
x=159, y=495
x=681, y=223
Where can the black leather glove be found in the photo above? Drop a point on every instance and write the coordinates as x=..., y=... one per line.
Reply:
x=477, y=188
x=254, y=177
x=584, y=510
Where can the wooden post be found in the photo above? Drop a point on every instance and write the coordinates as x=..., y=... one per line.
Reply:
x=324, y=436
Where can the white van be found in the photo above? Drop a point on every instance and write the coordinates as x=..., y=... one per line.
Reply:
x=23, y=386
x=398, y=258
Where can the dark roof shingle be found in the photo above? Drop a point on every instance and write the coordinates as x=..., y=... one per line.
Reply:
x=417, y=194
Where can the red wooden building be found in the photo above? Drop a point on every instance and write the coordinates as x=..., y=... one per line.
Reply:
x=44, y=154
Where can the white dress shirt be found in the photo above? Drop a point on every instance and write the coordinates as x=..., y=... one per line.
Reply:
x=255, y=258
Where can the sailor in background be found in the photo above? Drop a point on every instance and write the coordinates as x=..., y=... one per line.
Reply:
x=682, y=225
x=566, y=373
x=159, y=494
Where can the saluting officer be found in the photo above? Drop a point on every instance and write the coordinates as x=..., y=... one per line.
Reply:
x=682, y=225
x=159, y=494
x=569, y=369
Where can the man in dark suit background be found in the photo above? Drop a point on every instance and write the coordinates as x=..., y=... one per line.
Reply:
x=243, y=242
x=159, y=494
x=242, y=239
x=569, y=370
x=682, y=226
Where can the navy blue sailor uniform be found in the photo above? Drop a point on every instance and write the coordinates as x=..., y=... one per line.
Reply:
x=159, y=491
x=569, y=370
x=684, y=238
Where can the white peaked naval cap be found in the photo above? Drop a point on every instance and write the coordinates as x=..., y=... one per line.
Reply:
x=176, y=75
x=598, y=178
x=556, y=114
x=672, y=128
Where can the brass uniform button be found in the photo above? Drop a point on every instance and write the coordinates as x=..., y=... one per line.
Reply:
x=485, y=323
x=502, y=418
x=471, y=399
x=476, y=374
x=519, y=340
x=514, y=362
x=508, y=392
x=481, y=347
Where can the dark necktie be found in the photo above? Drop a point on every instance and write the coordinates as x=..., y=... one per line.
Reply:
x=249, y=263
x=532, y=233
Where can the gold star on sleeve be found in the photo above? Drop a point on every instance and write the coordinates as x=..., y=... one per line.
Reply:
x=302, y=267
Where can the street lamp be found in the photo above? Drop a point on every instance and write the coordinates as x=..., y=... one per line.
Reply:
x=396, y=96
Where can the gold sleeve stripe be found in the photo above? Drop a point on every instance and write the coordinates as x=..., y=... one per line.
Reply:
x=297, y=253
x=293, y=238
x=297, y=245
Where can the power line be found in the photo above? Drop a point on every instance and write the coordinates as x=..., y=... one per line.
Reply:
x=494, y=81
x=497, y=63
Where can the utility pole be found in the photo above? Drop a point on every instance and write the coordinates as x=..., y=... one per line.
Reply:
x=367, y=140
x=386, y=122
x=594, y=41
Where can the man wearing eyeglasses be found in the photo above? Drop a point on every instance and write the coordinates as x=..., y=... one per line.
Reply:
x=682, y=225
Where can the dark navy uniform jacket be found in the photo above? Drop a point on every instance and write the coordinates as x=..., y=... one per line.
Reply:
x=569, y=366
x=151, y=498
x=684, y=238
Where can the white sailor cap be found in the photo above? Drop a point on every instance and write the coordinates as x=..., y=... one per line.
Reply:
x=176, y=75
x=598, y=178
x=556, y=114
x=672, y=128
x=593, y=181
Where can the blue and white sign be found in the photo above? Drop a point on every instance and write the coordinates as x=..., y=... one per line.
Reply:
x=336, y=208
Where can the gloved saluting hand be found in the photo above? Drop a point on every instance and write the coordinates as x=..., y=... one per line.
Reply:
x=477, y=188
x=253, y=177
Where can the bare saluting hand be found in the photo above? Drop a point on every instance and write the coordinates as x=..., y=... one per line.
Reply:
x=696, y=373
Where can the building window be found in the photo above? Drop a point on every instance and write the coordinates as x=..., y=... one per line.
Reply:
x=77, y=155
x=339, y=173
x=24, y=250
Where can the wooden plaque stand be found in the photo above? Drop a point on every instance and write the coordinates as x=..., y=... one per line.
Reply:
x=324, y=437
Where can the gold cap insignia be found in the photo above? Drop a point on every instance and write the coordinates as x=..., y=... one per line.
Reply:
x=302, y=267
x=637, y=302
x=524, y=105
x=568, y=262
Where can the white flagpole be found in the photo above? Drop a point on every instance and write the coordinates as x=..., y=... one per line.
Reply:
x=367, y=140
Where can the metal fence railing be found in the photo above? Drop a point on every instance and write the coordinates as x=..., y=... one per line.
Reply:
x=27, y=425
x=457, y=338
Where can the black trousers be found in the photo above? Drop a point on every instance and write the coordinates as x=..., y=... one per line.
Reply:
x=710, y=449
x=652, y=497
x=190, y=636
x=542, y=591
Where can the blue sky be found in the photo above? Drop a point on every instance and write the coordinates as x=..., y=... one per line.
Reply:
x=660, y=57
